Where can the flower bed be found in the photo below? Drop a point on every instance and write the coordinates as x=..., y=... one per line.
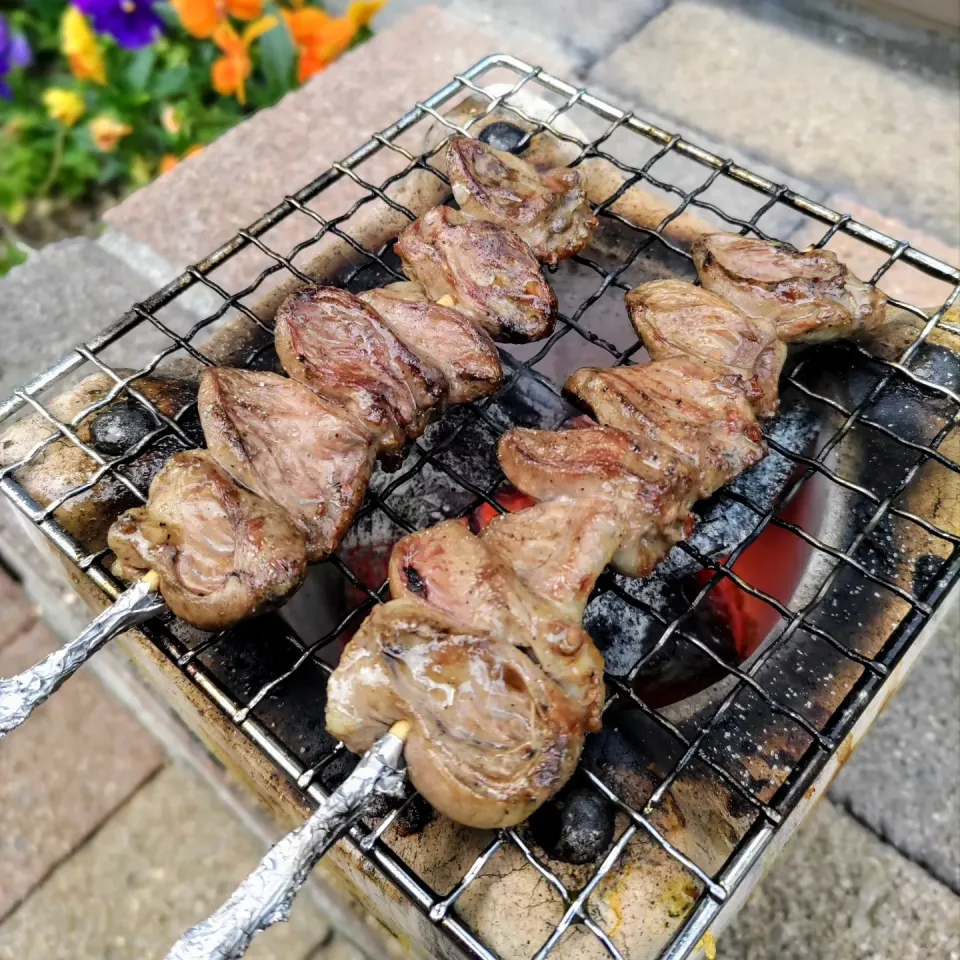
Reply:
x=100, y=96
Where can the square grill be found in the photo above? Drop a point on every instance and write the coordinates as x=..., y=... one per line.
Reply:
x=769, y=726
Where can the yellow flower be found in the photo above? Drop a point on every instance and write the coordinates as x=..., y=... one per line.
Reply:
x=79, y=44
x=106, y=132
x=229, y=73
x=63, y=105
x=361, y=12
x=169, y=120
x=167, y=162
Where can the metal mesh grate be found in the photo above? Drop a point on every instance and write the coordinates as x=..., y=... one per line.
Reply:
x=274, y=678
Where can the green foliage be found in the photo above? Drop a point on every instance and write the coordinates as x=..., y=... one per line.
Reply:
x=163, y=92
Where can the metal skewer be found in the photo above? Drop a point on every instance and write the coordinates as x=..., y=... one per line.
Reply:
x=266, y=896
x=20, y=695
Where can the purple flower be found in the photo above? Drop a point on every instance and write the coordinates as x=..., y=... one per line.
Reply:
x=132, y=23
x=14, y=52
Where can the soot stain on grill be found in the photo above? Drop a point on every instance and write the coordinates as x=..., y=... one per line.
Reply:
x=576, y=826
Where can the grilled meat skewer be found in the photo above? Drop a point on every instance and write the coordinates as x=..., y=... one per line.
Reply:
x=549, y=211
x=221, y=553
x=671, y=431
x=484, y=270
x=441, y=335
x=280, y=440
x=809, y=295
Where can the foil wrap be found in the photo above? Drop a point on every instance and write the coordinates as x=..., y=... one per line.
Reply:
x=265, y=897
x=19, y=695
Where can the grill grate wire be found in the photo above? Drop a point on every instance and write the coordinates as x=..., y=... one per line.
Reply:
x=770, y=811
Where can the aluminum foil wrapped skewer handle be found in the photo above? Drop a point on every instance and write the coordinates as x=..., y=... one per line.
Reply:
x=266, y=896
x=20, y=695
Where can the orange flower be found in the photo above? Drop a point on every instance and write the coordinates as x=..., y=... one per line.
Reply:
x=169, y=161
x=229, y=73
x=201, y=17
x=319, y=38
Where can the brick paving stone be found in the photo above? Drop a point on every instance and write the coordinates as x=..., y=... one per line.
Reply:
x=78, y=757
x=902, y=280
x=166, y=860
x=904, y=779
x=187, y=213
x=807, y=105
x=16, y=611
x=839, y=893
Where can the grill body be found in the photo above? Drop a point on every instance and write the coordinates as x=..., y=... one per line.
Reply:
x=707, y=780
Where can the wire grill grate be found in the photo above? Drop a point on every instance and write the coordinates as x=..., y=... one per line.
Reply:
x=251, y=702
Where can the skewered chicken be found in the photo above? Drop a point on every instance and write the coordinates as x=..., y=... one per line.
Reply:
x=339, y=347
x=547, y=210
x=461, y=350
x=222, y=554
x=279, y=439
x=809, y=295
x=492, y=736
x=486, y=271
x=450, y=569
x=676, y=319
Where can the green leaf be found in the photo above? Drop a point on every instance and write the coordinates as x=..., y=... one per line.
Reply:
x=277, y=55
x=141, y=66
x=171, y=82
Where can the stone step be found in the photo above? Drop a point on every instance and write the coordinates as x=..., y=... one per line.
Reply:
x=61, y=296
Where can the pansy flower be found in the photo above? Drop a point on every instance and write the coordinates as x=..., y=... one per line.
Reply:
x=14, y=52
x=64, y=106
x=106, y=132
x=201, y=17
x=79, y=45
x=229, y=73
x=318, y=37
x=132, y=23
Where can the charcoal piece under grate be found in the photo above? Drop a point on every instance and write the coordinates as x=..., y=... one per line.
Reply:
x=865, y=445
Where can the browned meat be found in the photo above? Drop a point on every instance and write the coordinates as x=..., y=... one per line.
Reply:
x=558, y=549
x=676, y=319
x=222, y=554
x=548, y=210
x=809, y=295
x=338, y=346
x=647, y=486
x=684, y=404
x=441, y=336
x=278, y=438
x=450, y=569
x=492, y=737
x=486, y=271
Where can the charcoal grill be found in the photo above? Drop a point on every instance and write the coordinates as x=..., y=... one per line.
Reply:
x=707, y=783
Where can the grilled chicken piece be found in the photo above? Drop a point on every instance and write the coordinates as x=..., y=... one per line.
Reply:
x=548, y=210
x=809, y=295
x=279, y=439
x=559, y=548
x=339, y=347
x=688, y=406
x=492, y=737
x=646, y=486
x=676, y=319
x=222, y=554
x=486, y=271
x=453, y=571
x=441, y=336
